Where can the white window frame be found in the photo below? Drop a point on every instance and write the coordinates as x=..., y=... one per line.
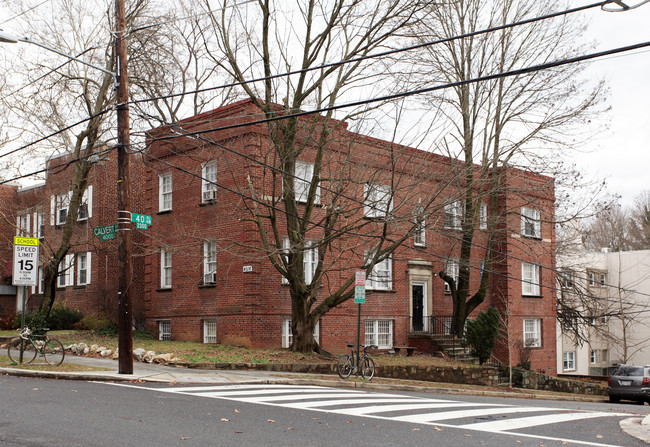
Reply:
x=532, y=333
x=483, y=217
x=23, y=225
x=452, y=268
x=287, y=333
x=209, y=262
x=531, y=223
x=60, y=203
x=83, y=263
x=210, y=331
x=379, y=332
x=209, y=181
x=378, y=200
x=530, y=279
x=381, y=276
x=87, y=202
x=420, y=235
x=569, y=361
x=65, y=275
x=39, y=224
x=303, y=176
x=454, y=215
x=164, y=330
x=165, y=192
x=165, y=268
x=309, y=259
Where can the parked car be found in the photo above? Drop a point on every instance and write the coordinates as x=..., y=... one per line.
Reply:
x=630, y=383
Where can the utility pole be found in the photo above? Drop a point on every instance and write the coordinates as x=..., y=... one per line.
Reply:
x=125, y=245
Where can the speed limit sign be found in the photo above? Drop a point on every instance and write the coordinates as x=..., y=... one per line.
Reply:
x=25, y=261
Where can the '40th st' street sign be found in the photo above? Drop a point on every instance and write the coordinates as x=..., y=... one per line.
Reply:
x=142, y=221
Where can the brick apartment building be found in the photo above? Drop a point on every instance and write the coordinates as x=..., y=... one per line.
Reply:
x=201, y=275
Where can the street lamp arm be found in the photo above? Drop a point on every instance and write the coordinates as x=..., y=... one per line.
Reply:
x=8, y=38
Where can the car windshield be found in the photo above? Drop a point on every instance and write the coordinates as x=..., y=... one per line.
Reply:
x=628, y=371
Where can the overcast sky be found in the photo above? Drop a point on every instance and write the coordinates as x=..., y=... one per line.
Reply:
x=622, y=153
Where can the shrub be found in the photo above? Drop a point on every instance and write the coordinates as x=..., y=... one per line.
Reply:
x=109, y=328
x=91, y=323
x=35, y=320
x=7, y=322
x=62, y=317
x=481, y=334
x=525, y=353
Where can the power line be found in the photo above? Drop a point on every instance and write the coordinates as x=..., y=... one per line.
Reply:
x=384, y=53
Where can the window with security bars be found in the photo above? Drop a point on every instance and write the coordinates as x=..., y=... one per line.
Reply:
x=209, y=331
x=287, y=333
x=164, y=330
x=379, y=333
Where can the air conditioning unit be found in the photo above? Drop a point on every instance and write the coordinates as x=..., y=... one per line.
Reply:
x=209, y=195
x=210, y=278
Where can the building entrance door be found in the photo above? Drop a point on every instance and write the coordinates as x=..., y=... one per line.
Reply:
x=418, y=293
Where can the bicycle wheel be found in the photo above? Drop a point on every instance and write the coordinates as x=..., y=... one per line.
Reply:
x=53, y=352
x=368, y=368
x=344, y=366
x=29, y=351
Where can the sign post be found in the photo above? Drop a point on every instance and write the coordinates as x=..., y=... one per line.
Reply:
x=359, y=298
x=25, y=273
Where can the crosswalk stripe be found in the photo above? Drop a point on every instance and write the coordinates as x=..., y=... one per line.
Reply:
x=306, y=396
x=360, y=411
x=446, y=415
x=330, y=403
x=514, y=424
x=262, y=392
x=263, y=387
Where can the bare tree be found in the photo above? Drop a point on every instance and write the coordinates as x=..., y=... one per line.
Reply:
x=263, y=39
x=509, y=121
x=50, y=95
x=640, y=222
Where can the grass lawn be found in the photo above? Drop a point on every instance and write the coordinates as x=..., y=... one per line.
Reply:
x=193, y=352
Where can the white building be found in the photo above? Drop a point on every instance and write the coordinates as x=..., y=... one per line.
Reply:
x=611, y=293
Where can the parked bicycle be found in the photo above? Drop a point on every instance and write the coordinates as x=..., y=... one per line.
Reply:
x=50, y=349
x=357, y=364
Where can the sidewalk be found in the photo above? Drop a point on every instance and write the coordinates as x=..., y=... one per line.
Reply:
x=155, y=373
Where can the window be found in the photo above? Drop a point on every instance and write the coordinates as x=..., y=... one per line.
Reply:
x=209, y=331
x=592, y=357
x=165, y=268
x=66, y=271
x=83, y=268
x=598, y=356
x=379, y=333
x=447, y=323
x=208, y=182
x=567, y=279
x=209, y=262
x=569, y=361
x=309, y=259
x=86, y=207
x=22, y=225
x=530, y=279
x=59, y=208
x=165, y=192
x=530, y=223
x=533, y=333
x=39, y=224
x=601, y=319
x=378, y=200
x=419, y=237
x=483, y=217
x=454, y=215
x=381, y=277
x=452, y=268
x=596, y=279
x=287, y=333
x=305, y=174
x=164, y=330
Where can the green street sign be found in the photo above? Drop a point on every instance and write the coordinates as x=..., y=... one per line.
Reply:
x=107, y=232
x=359, y=294
x=142, y=221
